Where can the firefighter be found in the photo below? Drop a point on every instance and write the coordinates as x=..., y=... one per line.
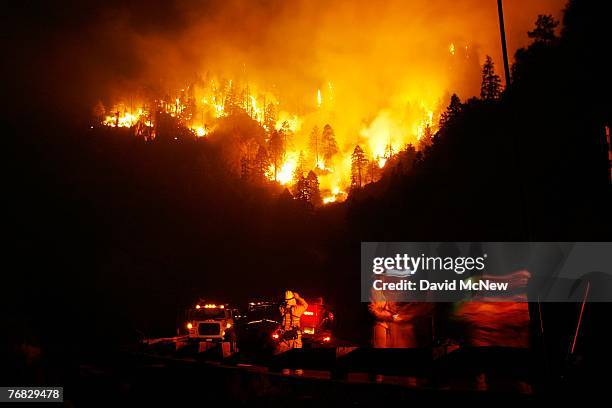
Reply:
x=291, y=310
x=399, y=324
x=498, y=321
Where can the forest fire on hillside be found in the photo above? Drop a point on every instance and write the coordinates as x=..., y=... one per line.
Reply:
x=292, y=149
x=315, y=98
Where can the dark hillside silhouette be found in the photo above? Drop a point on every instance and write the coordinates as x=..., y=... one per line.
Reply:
x=531, y=166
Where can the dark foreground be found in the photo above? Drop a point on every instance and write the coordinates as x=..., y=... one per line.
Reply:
x=139, y=379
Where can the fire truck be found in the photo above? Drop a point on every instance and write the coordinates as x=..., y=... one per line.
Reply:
x=211, y=322
x=317, y=324
x=260, y=328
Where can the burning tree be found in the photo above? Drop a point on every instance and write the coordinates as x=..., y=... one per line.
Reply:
x=359, y=165
x=301, y=191
x=260, y=165
x=230, y=102
x=276, y=151
x=315, y=145
x=328, y=144
x=426, y=139
x=286, y=133
x=373, y=172
x=490, y=88
x=299, y=168
x=269, y=121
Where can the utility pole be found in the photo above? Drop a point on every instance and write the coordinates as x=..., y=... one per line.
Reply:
x=523, y=208
x=502, y=30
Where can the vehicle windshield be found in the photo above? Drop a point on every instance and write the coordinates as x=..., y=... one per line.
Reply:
x=263, y=312
x=206, y=313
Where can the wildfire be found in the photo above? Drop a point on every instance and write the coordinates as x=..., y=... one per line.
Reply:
x=289, y=122
x=382, y=130
x=336, y=195
x=379, y=76
x=257, y=113
x=321, y=166
x=122, y=118
x=198, y=109
x=200, y=131
x=426, y=122
x=385, y=135
x=329, y=199
x=285, y=172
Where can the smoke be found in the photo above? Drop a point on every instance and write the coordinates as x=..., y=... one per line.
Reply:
x=367, y=48
x=383, y=69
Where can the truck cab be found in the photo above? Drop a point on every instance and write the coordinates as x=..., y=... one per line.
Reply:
x=211, y=322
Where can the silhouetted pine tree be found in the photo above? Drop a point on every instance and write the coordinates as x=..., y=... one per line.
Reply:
x=373, y=172
x=490, y=88
x=314, y=144
x=269, y=121
x=260, y=164
x=359, y=165
x=426, y=139
x=231, y=100
x=313, y=187
x=329, y=144
x=301, y=190
x=452, y=111
x=276, y=150
x=300, y=168
x=306, y=190
x=544, y=31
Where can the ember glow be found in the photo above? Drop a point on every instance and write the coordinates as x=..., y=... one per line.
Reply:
x=376, y=74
